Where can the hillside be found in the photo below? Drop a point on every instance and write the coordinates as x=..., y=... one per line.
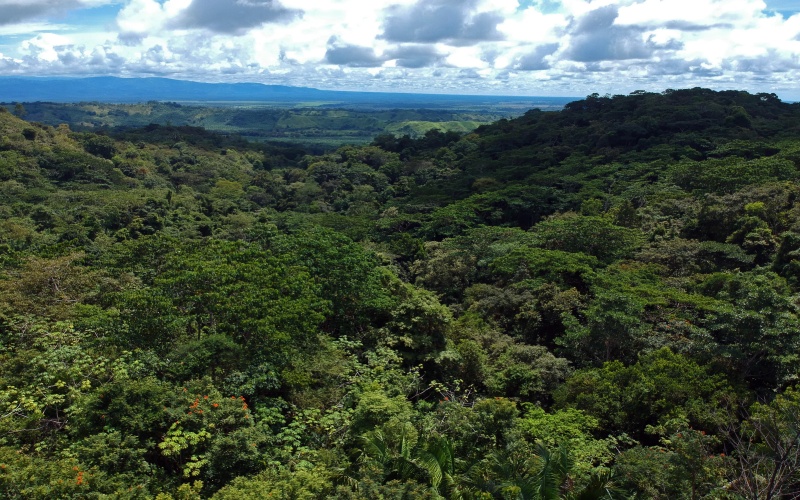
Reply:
x=600, y=302
x=315, y=127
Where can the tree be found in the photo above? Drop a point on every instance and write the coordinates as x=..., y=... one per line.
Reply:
x=755, y=325
x=767, y=447
x=261, y=301
x=592, y=235
x=571, y=428
x=662, y=385
x=418, y=322
x=348, y=276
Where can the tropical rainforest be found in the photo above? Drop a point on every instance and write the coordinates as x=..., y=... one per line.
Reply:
x=597, y=302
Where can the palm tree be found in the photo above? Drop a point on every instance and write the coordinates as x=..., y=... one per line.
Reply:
x=544, y=476
x=600, y=487
x=434, y=462
x=396, y=461
x=538, y=474
x=438, y=460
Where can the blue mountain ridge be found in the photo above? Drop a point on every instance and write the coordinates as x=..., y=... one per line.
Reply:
x=126, y=90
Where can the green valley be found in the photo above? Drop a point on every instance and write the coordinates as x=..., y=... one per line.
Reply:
x=316, y=125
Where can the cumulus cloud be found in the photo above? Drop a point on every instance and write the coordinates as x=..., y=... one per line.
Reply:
x=595, y=37
x=10, y=66
x=58, y=54
x=469, y=74
x=351, y=55
x=45, y=47
x=535, y=59
x=231, y=16
x=770, y=63
x=676, y=67
x=131, y=38
x=412, y=56
x=142, y=18
x=691, y=14
x=416, y=56
x=15, y=11
x=535, y=27
x=430, y=21
x=571, y=47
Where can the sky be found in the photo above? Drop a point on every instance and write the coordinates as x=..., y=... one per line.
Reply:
x=500, y=47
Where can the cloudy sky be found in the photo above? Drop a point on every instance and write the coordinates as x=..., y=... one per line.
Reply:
x=507, y=47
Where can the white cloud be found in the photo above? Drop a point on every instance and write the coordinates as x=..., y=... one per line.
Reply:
x=467, y=58
x=45, y=47
x=142, y=18
x=532, y=26
x=698, y=13
x=537, y=46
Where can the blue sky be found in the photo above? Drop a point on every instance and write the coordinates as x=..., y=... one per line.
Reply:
x=510, y=47
x=785, y=7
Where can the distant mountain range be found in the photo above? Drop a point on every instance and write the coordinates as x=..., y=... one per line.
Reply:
x=127, y=90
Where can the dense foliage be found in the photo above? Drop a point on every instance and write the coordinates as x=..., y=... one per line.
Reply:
x=600, y=302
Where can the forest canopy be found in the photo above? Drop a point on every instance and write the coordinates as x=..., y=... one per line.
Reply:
x=599, y=302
